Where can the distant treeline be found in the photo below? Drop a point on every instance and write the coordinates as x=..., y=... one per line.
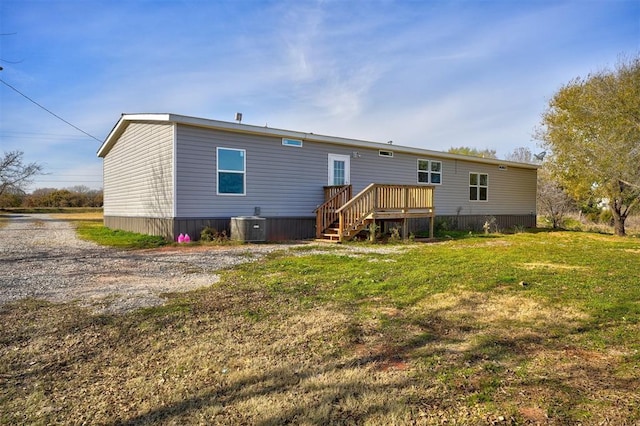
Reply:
x=76, y=196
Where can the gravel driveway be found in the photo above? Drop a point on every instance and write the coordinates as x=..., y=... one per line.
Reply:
x=41, y=257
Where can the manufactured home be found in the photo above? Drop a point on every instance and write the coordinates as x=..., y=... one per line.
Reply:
x=167, y=174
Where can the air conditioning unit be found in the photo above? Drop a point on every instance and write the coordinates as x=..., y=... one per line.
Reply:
x=249, y=229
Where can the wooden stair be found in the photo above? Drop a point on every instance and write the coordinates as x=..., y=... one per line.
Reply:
x=342, y=217
x=327, y=218
x=332, y=234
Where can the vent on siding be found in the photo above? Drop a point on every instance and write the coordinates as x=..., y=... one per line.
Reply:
x=502, y=167
x=385, y=153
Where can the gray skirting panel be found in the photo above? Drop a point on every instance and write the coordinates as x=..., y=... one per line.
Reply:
x=297, y=228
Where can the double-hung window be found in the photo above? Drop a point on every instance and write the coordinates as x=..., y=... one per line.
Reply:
x=430, y=171
x=231, y=171
x=478, y=186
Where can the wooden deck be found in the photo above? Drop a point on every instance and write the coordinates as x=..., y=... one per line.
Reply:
x=342, y=217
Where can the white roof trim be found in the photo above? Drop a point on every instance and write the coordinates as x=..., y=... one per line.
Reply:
x=125, y=119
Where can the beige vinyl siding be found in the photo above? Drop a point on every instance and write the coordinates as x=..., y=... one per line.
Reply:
x=138, y=172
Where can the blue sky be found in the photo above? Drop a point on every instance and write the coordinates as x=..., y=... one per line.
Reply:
x=430, y=74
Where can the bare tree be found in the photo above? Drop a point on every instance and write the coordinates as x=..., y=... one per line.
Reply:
x=15, y=175
x=80, y=189
x=553, y=201
x=521, y=155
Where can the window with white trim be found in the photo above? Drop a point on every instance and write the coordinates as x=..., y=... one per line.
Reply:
x=292, y=142
x=478, y=187
x=430, y=171
x=231, y=166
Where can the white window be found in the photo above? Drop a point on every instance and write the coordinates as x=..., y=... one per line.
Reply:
x=478, y=187
x=231, y=171
x=292, y=142
x=430, y=171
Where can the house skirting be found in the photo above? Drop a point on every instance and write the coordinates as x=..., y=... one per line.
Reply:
x=141, y=225
x=299, y=228
x=277, y=228
x=502, y=222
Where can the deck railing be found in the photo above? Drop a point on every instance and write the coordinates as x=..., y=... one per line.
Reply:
x=333, y=190
x=326, y=214
x=384, y=201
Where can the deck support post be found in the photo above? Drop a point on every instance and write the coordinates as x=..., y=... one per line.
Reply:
x=405, y=229
x=373, y=231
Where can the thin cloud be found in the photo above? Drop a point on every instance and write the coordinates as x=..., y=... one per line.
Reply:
x=426, y=74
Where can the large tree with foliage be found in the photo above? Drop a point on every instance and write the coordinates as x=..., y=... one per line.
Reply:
x=592, y=128
x=77, y=196
x=15, y=175
x=467, y=150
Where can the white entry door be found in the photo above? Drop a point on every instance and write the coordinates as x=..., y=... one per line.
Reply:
x=339, y=169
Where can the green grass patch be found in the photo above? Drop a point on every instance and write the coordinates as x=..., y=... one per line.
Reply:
x=93, y=230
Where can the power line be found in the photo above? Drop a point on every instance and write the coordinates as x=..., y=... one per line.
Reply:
x=74, y=176
x=57, y=135
x=4, y=60
x=43, y=182
x=47, y=110
x=42, y=137
x=12, y=62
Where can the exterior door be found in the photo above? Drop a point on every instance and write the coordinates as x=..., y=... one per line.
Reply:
x=339, y=169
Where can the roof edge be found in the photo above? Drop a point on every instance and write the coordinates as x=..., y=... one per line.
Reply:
x=122, y=124
x=125, y=119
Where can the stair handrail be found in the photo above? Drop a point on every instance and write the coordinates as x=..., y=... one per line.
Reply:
x=327, y=212
x=352, y=214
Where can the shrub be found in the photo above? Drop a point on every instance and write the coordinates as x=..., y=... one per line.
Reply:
x=593, y=217
x=606, y=217
x=442, y=224
x=209, y=234
x=519, y=229
x=571, y=224
x=490, y=225
x=394, y=235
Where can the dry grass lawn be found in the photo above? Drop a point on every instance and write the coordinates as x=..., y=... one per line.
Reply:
x=92, y=216
x=325, y=338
